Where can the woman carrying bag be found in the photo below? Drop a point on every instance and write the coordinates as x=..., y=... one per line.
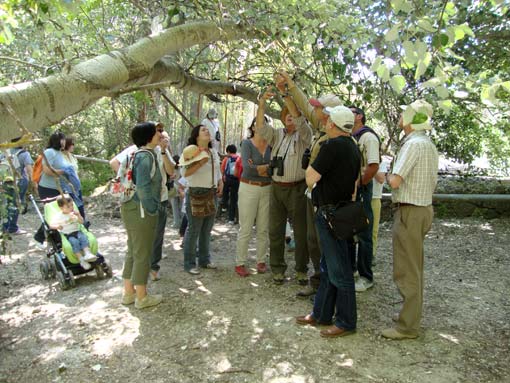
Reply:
x=201, y=167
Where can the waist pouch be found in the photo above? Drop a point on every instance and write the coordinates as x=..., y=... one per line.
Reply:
x=346, y=219
x=202, y=201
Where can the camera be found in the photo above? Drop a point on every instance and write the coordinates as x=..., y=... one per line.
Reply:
x=305, y=160
x=276, y=163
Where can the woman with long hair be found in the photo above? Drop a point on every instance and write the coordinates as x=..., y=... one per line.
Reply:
x=253, y=202
x=204, y=181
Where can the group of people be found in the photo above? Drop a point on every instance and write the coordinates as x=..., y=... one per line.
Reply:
x=324, y=157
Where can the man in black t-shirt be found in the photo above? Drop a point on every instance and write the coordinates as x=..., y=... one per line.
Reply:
x=332, y=176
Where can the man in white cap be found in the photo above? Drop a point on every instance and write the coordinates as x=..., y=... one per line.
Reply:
x=413, y=180
x=312, y=109
x=332, y=176
x=211, y=122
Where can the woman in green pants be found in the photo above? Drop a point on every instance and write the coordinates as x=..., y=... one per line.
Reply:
x=140, y=216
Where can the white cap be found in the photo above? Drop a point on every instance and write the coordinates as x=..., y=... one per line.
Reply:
x=418, y=114
x=328, y=100
x=342, y=117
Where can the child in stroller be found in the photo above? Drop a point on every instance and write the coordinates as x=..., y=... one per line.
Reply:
x=62, y=260
x=68, y=221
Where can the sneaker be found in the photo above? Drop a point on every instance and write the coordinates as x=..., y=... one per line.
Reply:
x=291, y=246
x=40, y=246
x=363, y=284
x=261, y=268
x=231, y=223
x=128, y=299
x=302, y=278
x=84, y=264
x=278, y=278
x=148, y=301
x=18, y=232
x=193, y=271
x=89, y=257
x=211, y=266
x=241, y=271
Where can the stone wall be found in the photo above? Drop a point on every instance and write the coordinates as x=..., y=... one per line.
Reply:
x=448, y=184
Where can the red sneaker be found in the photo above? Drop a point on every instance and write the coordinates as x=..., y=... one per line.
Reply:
x=241, y=271
x=261, y=268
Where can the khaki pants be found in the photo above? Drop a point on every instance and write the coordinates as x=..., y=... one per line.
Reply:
x=410, y=226
x=287, y=202
x=140, y=233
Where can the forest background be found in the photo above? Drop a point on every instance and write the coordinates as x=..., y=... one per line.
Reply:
x=93, y=68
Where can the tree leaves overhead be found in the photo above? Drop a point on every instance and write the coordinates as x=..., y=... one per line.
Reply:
x=377, y=54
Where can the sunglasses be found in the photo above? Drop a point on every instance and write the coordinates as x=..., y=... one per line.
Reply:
x=161, y=130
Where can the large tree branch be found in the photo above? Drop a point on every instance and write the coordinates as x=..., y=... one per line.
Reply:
x=47, y=101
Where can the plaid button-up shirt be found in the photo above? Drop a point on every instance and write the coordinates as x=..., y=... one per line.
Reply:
x=417, y=163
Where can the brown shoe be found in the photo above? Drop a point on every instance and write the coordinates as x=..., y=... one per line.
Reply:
x=335, y=332
x=303, y=320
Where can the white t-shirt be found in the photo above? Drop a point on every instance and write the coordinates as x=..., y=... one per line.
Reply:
x=203, y=177
x=69, y=222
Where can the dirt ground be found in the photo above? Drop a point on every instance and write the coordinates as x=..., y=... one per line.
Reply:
x=217, y=327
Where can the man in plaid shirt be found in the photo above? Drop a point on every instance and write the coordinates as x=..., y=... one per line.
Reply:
x=413, y=180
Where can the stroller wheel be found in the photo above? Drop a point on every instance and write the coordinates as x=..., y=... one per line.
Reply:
x=53, y=268
x=44, y=268
x=107, y=268
x=61, y=280
x=99, y=272
x=71, y=282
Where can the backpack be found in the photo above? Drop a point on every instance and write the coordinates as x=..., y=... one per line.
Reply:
x=230, y=167
x=123, y=185
x=37, y=169
x=364, y=130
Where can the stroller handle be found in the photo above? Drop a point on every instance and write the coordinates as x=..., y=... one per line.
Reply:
x=32, y=199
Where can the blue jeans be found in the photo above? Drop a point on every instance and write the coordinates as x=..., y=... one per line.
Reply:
x=78, y=241
x=199, y=229
x=336, y=287
x=22, y=189
x=176, y=211
x=157, y=247
x=365, y=245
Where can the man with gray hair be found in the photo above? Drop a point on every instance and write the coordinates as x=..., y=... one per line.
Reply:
x=211, y=122
x=413, y=180
x=312, y=109
x=333, y=176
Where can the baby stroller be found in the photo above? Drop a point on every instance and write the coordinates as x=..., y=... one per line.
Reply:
x=60, y=261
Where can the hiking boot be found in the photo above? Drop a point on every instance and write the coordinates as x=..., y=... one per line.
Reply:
x=302, y=278
x=148, y=301
x=278, y=278
x=306, y=292
x=363, y=284
x=261, y=268
x=241, y=271
x=394, y=334
x=128, y=299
